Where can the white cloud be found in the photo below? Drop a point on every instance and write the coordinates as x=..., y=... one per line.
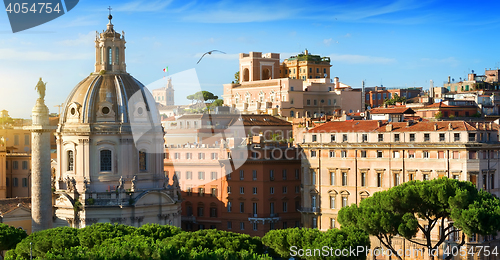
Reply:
x=327, y=42
x=83, y=39
x=361, y=59
x=13, y=54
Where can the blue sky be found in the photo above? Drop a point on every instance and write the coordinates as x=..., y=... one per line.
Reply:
x=394, y=43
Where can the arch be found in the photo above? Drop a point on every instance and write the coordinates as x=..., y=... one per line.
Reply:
x=143, y=160
x=106, y=160
x=246, y=75
x=117, y=55
x=110, y=58
x=292, y=114
x=345, y=192
x=364, y=193
x=266, y=74
x=333, y=192
x=70, y=160
x=146, y=198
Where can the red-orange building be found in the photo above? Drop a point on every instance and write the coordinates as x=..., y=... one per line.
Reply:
x=248, y=189
x=448, y=111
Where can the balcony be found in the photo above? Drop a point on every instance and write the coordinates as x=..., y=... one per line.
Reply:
x=263, y=218
x=309, y=210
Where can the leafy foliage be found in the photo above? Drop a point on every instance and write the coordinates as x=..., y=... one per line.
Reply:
x=395, y=99
x=281, y=241
x=150, y=241
x=438, y=115
x=10, y=236
x=202, y=96
x=408, y=208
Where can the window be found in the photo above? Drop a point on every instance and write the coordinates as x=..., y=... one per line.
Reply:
x=344, y=178
x=297, y=189
x=456, y=155
x=229, y=225
x=254, y=226
x=472, y=137
x=254, y=190
x=314, y=222
x=213, y=175
x=242, y=174
x=363, y=179
x=285, y=206
x=472, y=155
x=285, y=225
x=332, y=178
x=379, y=154
x=201, y=175
x=271, y=190
x=343, y=153
x=105, y=160
x=177, y=156
x=313, y=153
x=189, y=191
x=215, y=156
x=201, y=192
x=229, y=206
x=284, y=174
x=271, y=175
x=331, y=153
x=440, y=154
x=26, y=139
x=396, y=179
x=427, y=137
x=492, y=181
x=308, y=102
x=285, y=189
x=142, y=161
x=344, y=138
x=213, y=212
x=425, y=154
x=456, y=137
x=242, y=207
x=395, y=154
x=332, y=223
x=364, y=138
x=200, y=211
x=426, y=177
x=332, y=202
x=15, y=165
x=16, y=139
x=189, y=175
x=242, y=190
x=242, y=226
x=110, y=56
x=297, y=174
x=14, y=182
x=214, y=192
x=332, y=138
x=344, y=201
x=379, y=179
x=411, y=153
x=441, y=137
x=314, y=138
x=25, y=165
x=189, y=156
x=396, y=137
x=380, y=137
x=363, y=154
x=201, y=156
x=25, y=182
x=412, y=137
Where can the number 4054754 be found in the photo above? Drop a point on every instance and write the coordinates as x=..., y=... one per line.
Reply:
x=24, y=8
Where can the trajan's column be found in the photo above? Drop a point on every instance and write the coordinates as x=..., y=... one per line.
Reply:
x=41, y=190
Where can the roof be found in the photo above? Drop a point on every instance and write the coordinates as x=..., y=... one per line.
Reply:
x=373, y=126
x=441, y=104
x=392, y=110
x=248, y=120
x=7, y=205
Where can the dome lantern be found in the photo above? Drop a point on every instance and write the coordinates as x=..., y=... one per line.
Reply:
x=110, y=50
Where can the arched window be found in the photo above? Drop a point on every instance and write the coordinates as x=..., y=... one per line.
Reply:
x=143, y=166
x=102, y=55
x=70, y=160
x=292, y=114
x=246, y=75
x=106, y=160
x=117, y=56
x=110, y=56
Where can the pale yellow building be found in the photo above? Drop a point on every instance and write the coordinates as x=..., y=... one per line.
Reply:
x=349, y=161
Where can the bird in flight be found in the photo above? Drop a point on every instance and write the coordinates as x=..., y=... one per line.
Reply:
x=208, y=52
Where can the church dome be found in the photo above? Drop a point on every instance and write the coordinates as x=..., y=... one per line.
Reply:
x=109, y=97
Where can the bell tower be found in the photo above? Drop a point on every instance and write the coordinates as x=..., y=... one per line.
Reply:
x=110, y=50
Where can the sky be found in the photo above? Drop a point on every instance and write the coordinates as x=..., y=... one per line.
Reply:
x=401, y=43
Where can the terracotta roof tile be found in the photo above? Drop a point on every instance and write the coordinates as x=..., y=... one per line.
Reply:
x=7, y=205
x=373, y=126
x=392, y=110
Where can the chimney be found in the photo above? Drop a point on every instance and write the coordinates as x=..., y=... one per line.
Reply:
x=491, y=125
x=477, y=125
x=408, y=123
x=379, y=123
x=450, y=127
x=449, y=79
x=337, y=83
x=435, y=127
x=388, y=128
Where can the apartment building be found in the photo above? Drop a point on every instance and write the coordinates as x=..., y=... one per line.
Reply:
x=250, y=188
x=349, y=161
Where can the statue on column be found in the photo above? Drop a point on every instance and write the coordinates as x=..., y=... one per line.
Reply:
x=176, y=181
x=40, y=87
x=85, y=184
x=134, y=181
x=121, y=184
